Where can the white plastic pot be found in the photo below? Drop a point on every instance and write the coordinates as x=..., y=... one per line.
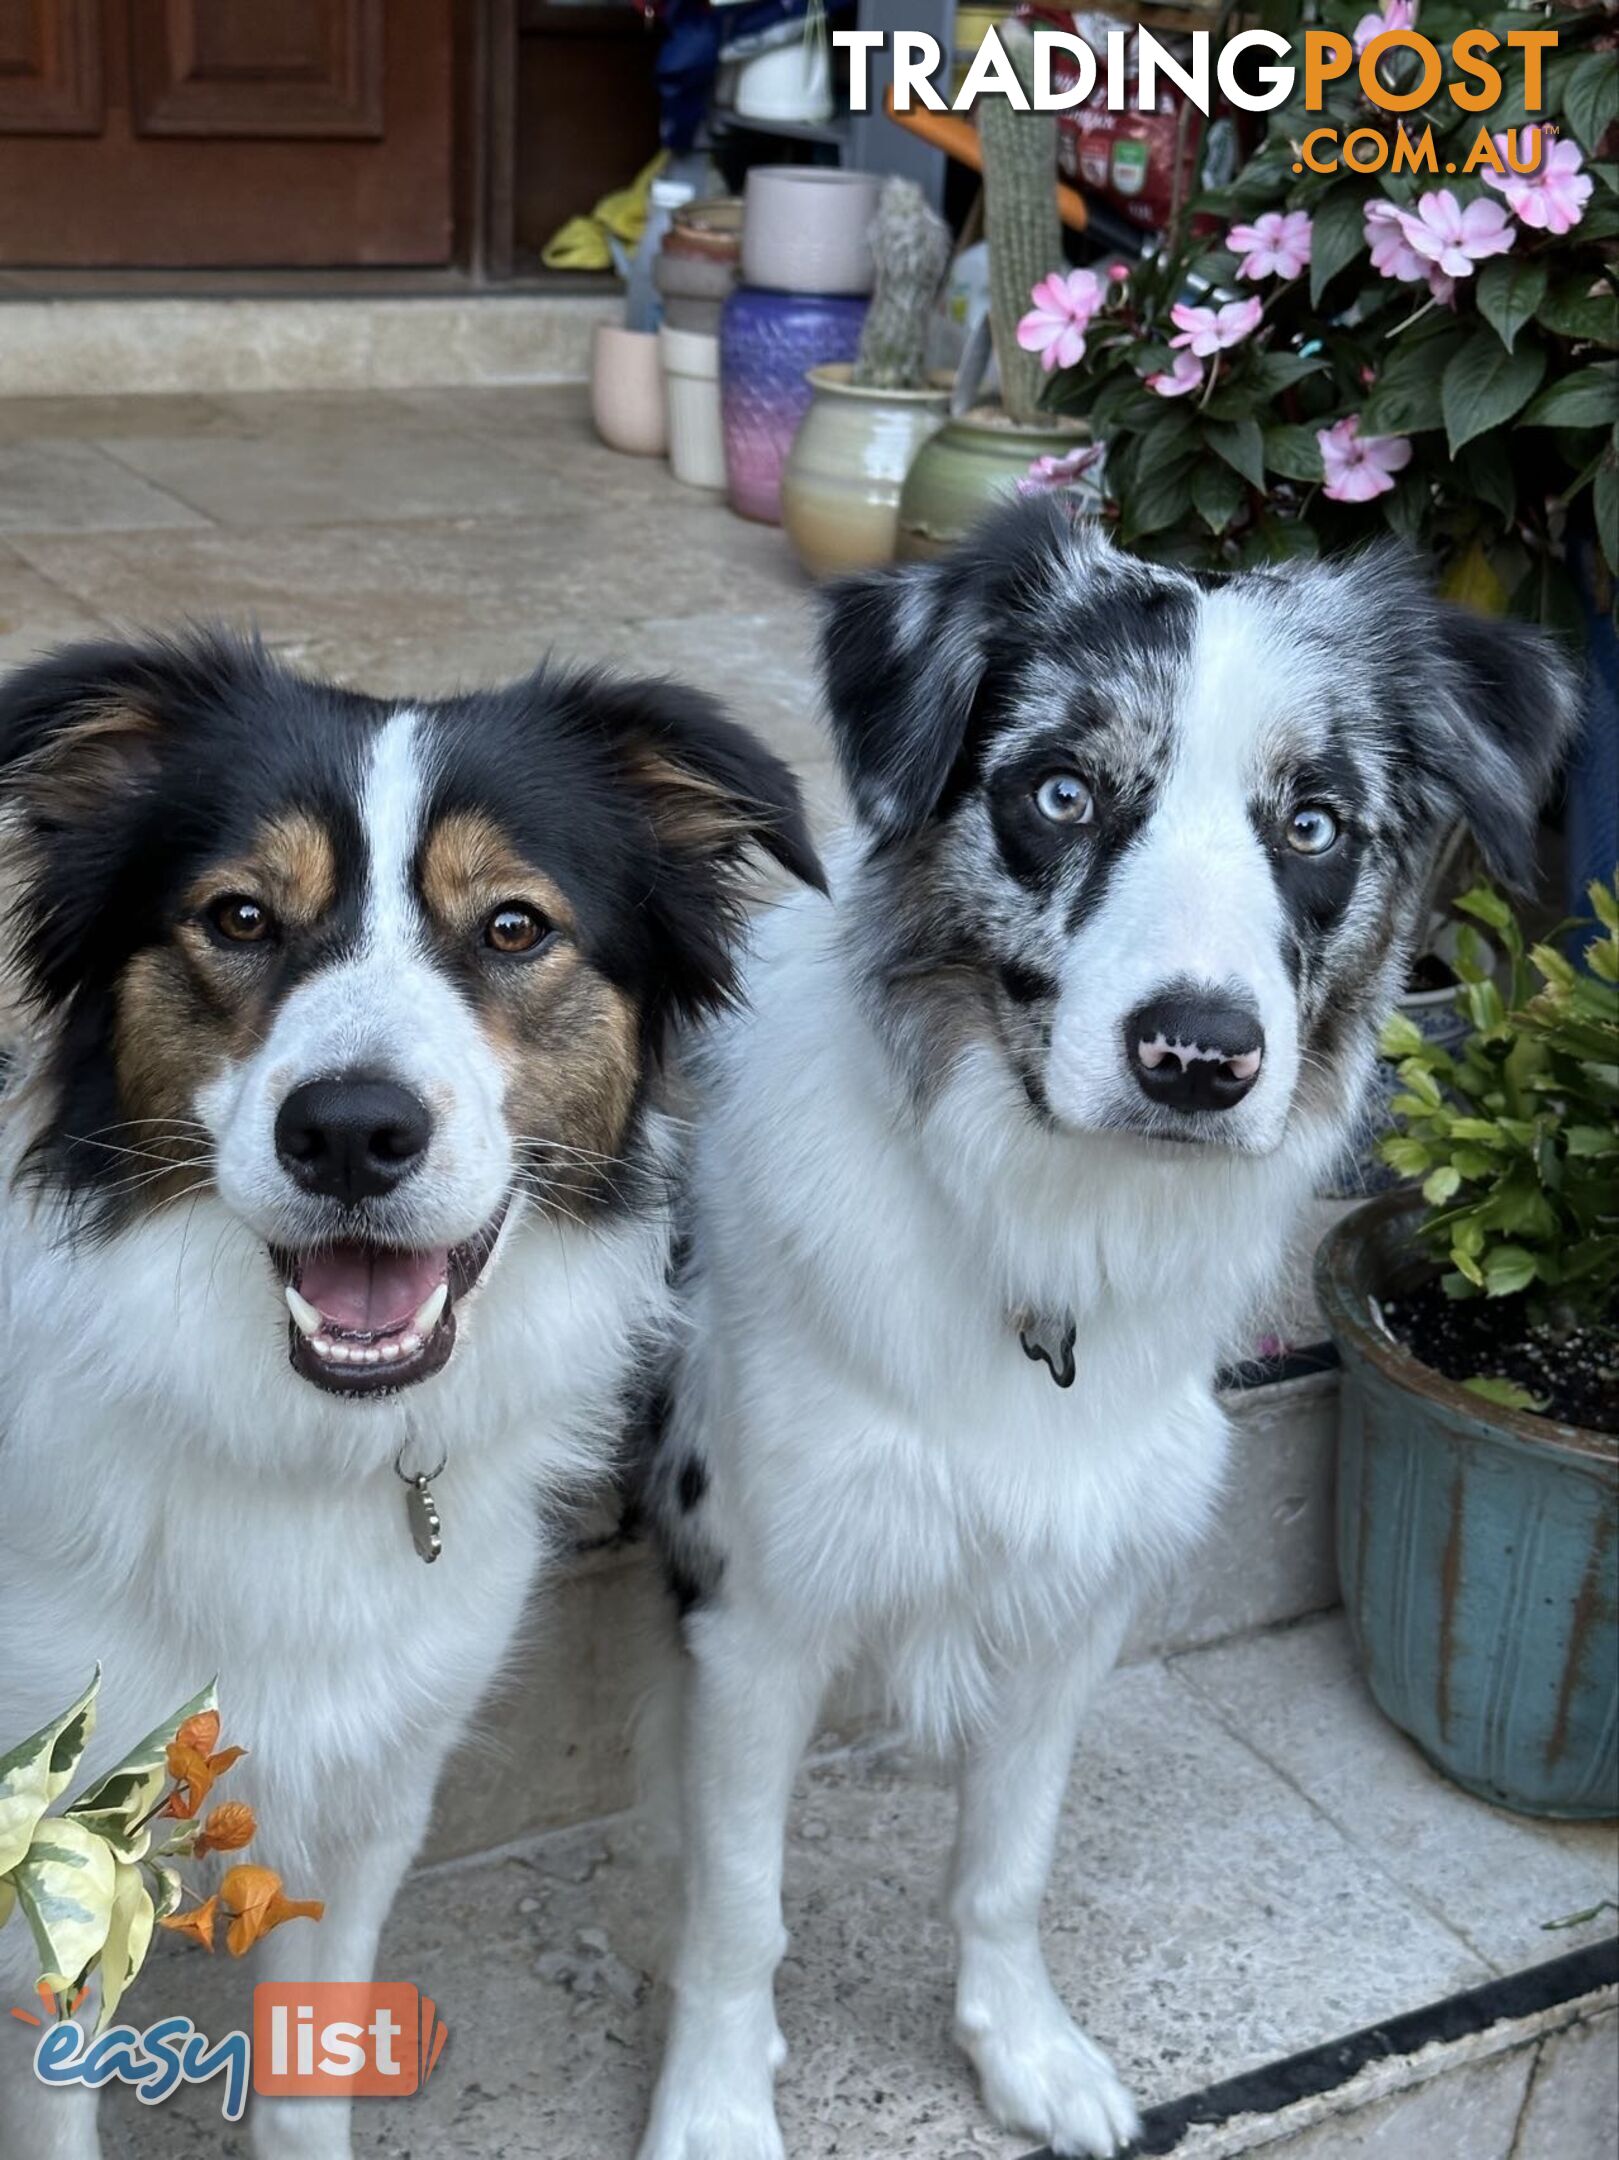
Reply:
x=804, y=228
x=691, y=384
x=790, y=82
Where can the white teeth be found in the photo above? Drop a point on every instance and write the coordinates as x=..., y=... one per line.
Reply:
x=321, y=1346
x=388, y=1351
x=369, y=1357
x=431, y=1312
x=303, y=1313
x=339, y=1353
x=409, y=1344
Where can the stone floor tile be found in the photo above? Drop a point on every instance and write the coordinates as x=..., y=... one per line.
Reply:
x=57, y=486
x=1573, y=2106
x=1469, y=2113
x=35, y=614
x=105, y=419
x=1501, y=1881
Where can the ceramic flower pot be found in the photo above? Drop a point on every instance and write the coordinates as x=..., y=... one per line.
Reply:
x=804, y=229
x=1477, y=1551
x=691, y=380
x=840, y=491
x=959, y=473
x=769, y=341
x=626, y=390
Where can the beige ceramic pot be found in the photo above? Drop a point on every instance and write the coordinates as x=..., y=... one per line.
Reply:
x=626, y=390
x=840, y=492
x=804, y=228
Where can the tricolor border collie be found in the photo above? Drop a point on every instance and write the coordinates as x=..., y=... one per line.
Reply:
x=991, y=1166
x=333, y=1211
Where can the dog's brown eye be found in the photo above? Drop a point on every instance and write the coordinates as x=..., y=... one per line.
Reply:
x=515, y=928
x=243, y=921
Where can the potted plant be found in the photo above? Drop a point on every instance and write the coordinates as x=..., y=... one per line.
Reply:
x=1313, y=358
x=840, y=491
x=1478, y=1483
x=983, y=453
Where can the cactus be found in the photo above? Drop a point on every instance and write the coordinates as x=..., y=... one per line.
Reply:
x=1020, y=220
x=910, y=245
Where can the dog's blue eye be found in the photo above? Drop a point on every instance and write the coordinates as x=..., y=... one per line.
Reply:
x=1312, y=830
x=1065, y=799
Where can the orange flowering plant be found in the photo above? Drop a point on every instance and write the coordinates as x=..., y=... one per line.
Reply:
x=95, y=1880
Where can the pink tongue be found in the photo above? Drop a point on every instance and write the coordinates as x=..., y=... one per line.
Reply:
x=362, y=1289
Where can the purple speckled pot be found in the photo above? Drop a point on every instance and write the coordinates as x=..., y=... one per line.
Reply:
x=769, y=341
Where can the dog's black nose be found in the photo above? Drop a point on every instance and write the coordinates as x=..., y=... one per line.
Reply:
x=351, y=1137
x=1192, y=1050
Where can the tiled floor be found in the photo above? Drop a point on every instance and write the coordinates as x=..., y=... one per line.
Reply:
x=1251, y=1862
x=410, y=542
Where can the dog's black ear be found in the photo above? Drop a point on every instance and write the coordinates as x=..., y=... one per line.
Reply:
x=1508, y=713
x=711, y=794
x=905, y=654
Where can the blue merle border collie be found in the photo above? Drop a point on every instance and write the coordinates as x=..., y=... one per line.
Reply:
x=991, y=1166
x=329, y=1162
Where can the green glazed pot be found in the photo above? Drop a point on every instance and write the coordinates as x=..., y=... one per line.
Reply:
x=959, y=473
x=1478, y=1551
x=840, y=491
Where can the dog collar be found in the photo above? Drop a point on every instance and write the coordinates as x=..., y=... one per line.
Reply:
x=1048, y=1339
x=421, y=1509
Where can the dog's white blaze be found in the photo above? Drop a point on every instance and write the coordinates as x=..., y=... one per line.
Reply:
x=1192, y=900
x=385, y=1008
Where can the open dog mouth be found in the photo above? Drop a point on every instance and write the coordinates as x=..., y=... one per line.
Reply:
x=371, y=1319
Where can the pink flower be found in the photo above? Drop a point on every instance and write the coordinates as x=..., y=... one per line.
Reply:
x=1049, y=475
x=1359, y=468
x=1396, y=15
x=1210, y=330
x=1394, y=256
x=1055, y=326
x=1553, y=197
x=1184, y=374
x=1273, y=245
x=1454, y=239
x=1119, y=273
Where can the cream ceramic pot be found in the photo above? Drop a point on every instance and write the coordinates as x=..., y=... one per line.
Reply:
x=840, y=492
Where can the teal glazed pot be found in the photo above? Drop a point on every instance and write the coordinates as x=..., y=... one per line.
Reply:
x=1478, y=1552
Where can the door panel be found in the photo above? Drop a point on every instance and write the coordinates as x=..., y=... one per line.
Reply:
x=237, y=67
x=225, y=133
x=50, y=67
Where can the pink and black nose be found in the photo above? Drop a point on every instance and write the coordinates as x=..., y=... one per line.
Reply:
x=1193, y=1051
x=352, y=1137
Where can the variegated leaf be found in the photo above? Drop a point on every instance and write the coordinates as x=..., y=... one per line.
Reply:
x=38, y=1770
x=118, y=1802
x=65, y=1887
x=129, y=1937
x=167, y=1888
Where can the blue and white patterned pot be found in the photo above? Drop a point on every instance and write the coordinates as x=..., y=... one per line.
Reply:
x=769, y=341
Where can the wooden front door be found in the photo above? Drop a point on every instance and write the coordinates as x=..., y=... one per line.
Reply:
x=225, y=133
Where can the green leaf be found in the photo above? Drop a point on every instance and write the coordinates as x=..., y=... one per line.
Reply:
x=1218, y=494
x=1587, y=398
x=1591, y=98
x=65, y=1887
x=1510, y=290
x=1485, y=472
x=1148, y=507
x=1409, y=1157
x=1338, y=235
x=1485, y=905
x=1483, y=387
x=115, y=1805
x=1241, y=445
x=1507, y=1270
x=1275, y=371
x=1506, y=1393
x=38, y=1770
x=1586, y=1140
x=1293, y=452
x=1172, y=442
x=1581, y=307
x=1401, y=1037
x=1442, y=1185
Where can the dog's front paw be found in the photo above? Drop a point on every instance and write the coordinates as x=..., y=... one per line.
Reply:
x=716, y=2093
x=1046, y=2079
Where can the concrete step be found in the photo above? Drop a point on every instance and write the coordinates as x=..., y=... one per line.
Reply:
x=1257, y=1879
x=551, y=1747
x=115, y=346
